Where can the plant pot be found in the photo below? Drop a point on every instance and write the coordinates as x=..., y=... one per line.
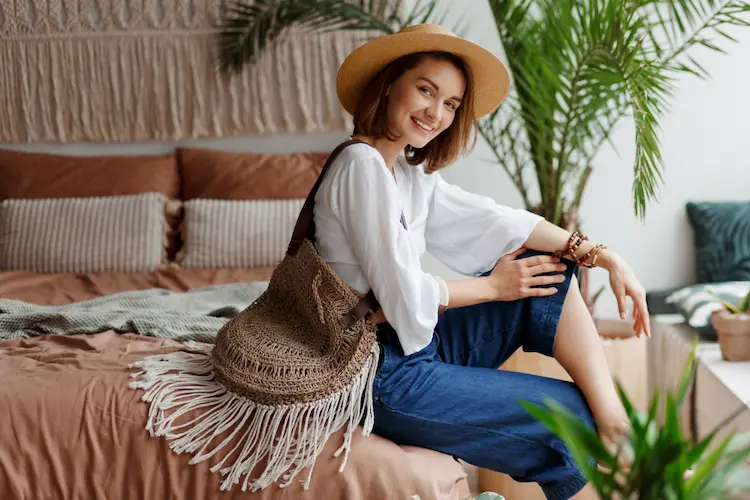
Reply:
x=733, y=331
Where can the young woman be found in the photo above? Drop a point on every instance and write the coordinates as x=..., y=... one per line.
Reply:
x=415, y=97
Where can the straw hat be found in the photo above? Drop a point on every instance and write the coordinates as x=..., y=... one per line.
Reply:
x=491, y=79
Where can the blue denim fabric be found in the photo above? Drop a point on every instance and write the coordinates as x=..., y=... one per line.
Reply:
x=450, y=396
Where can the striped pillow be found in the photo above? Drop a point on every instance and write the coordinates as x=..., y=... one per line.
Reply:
x=696, y=302
x=237, y=233
x=104, y=233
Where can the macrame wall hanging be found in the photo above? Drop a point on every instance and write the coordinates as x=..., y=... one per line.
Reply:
x=127, y=70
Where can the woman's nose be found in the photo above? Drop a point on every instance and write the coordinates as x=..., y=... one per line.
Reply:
x=433, y=112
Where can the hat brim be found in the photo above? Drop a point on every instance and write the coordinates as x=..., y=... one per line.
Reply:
x=491, y=78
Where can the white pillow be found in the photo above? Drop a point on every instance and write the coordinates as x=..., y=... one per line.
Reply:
x=237, y=233
x=104, y=233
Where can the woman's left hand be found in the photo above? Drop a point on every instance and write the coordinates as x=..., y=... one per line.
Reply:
x=624, y=284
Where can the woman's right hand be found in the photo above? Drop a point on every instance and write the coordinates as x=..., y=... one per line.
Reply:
x=514, y=278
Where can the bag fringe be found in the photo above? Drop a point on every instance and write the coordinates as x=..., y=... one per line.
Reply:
x=183, y=381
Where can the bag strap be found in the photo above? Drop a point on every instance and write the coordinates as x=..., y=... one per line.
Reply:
x=305, y=228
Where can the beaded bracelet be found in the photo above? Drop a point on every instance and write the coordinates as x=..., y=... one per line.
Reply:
x=573, y=249
x=593, y=254
x=596, y=254
x=574, y=242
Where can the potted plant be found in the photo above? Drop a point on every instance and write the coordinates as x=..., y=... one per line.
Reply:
x=578, y=68
x=662, y=463
x=732, y=325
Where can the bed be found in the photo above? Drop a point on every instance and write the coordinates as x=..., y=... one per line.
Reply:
x=72, y=428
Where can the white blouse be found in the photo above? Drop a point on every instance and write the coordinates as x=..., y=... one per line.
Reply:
x=360, y=233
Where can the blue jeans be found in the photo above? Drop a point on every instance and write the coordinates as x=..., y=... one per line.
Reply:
x=450, y=396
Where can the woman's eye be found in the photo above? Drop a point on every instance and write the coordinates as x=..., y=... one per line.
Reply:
x=451, y=106
x=425, y=91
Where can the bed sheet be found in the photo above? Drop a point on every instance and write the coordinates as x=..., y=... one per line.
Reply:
x=72, y=429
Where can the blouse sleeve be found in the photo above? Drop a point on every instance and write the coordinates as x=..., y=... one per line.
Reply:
x=365, y=199
x=470, y=232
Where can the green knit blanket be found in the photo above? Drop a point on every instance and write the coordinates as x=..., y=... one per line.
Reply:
x=197, y=314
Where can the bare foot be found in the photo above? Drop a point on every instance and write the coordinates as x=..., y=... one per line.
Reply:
x=613, y=428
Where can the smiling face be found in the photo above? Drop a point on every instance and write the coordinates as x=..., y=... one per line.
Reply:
x=424, y=101
x=421, y=104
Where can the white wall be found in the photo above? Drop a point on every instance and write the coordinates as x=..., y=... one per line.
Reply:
x=706, y=140
x=706, y=150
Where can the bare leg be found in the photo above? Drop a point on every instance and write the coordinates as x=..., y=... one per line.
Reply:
x=579, y=350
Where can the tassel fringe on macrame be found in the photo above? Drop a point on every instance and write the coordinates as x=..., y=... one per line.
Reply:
x=130, y=71
x=286, y=439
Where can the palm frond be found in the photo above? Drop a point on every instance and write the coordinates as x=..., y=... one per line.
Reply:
x=648, y=93
x=577, y=66
x=576, y=71
x=427, y=11
x=247, y=29
x=672, y=20
x=712, y=25
x=676, y=26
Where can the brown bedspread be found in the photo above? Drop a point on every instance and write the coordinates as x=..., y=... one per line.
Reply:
x=56, y=289
x=70, y=428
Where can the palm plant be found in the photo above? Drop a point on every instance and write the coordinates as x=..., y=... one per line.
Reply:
x=581, y=66
x=247, y=27
x=665, y=464
x=578, y=67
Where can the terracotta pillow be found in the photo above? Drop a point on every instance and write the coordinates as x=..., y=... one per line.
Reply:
x=223, y=175
x=37, y=175
x=27, y=176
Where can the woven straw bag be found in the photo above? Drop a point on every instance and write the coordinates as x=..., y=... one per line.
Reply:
x=286, y=373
